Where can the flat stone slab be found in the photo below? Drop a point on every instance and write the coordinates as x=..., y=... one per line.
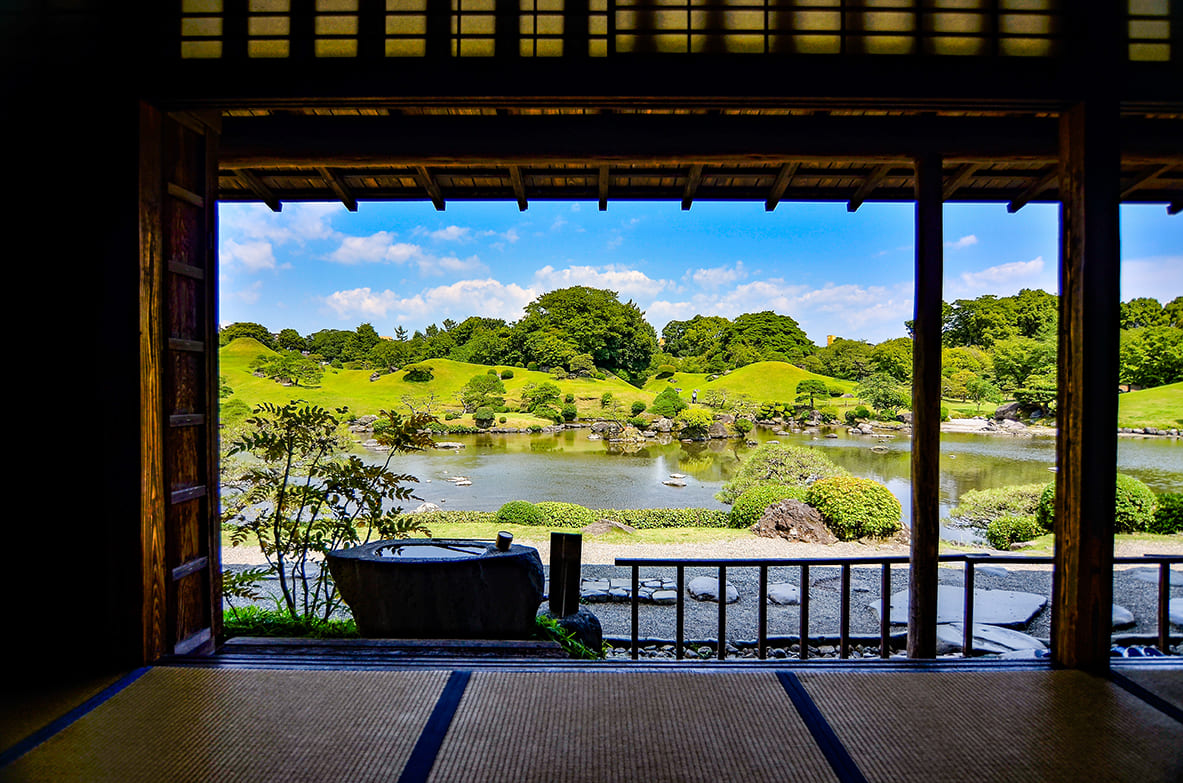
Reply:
x=986, y=639
x=1122, y=617
x=784, y=594
x=1151, y=575
x=706, y=588
x=1175, y=611
x=656, y=591
x=991, y=607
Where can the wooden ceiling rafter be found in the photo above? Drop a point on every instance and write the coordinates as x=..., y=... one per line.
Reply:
x=1144, y=177
x=784, y=178
x=1031, y=193
x=602, y=180
x=428, y=183
x=259, y=188
x=959, y=180
x=337, y=185
x=693, y=180
x=519, y=187
x=872, y=181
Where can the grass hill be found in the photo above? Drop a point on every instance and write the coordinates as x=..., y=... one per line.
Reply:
x=1160, y=407
x=761, y=381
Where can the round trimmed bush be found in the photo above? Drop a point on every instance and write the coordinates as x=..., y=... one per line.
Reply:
x=569, y=412
x=751, y=505
x=855, y=507
x=637, y=408
x=779, y=463
x=1004, y=531
x=519, y=512
x=1133, y=510
x=484, y=416
x=565, y=514
x=979, y=507
x=1168, y=517
x=506, y=374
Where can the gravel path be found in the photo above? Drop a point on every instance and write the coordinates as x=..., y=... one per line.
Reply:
x=1132, y=589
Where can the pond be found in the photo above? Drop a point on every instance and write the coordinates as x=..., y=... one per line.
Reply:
x=567, y=466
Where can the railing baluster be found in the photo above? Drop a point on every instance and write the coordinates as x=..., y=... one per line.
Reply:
x=1164, y=617
x=844, y=621
x=681, y=610
x=967, y=617
x=721, y=652
x=636, y=605
x=885, y=612
x=804, y=632
x=762, y=614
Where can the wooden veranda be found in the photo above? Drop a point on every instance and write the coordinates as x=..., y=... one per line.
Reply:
x=133, y=119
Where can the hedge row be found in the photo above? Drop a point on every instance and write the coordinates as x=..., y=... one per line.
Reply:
x=573, y=516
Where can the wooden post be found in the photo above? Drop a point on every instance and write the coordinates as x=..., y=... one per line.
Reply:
x=926, y=410
x=1086, y=417
x=566, y=552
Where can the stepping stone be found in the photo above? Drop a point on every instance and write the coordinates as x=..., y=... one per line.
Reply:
x=991, y=570
x=706, y=588
x=784, y=594
x=991, y=607
x=665, y=596
x=1175, y=611
x=1122, y=617
x=1151, y=575
x=987, y=639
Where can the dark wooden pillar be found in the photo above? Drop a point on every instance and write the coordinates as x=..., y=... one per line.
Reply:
x=926, y=410
x=1086, y=441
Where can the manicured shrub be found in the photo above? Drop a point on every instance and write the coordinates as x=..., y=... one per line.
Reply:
x=751, y=505
x=492, y=371
x=666, y=370
x=1004, y=531
x=855, y=507
x=568, y=397
x=605, y=399
x=862, y=412
x=1168, y=517
x=519, y=512
x=979, y=507
x=567, y=515
x=532, y=366
x=420, y=373
x=778, y=463
x=506, y=374
x=1133, y=511
x=484, y=417
x=501, y=420
x=647, y=518
x=547, y=412
x=639, y=422
x=637, y=408
x=569, y=412
x=668, y=403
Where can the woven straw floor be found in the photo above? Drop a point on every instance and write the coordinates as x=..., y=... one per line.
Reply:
x=614, y=724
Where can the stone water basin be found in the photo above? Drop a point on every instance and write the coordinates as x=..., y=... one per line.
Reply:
x=440, y=588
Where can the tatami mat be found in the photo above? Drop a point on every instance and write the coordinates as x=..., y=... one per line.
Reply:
x=1004, y=726
x=1167, y=684
x=176, y=725
x=625, y=726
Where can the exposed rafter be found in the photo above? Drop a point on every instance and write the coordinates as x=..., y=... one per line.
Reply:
x=1031, y=193
x=428, y=183
x=337, y=185
x=869, y=184
x=963, y=175
x=260, y=189
x=519, y=187
x=784, y=178
x=693, y=179
x=1145, y=177
x=602, y=186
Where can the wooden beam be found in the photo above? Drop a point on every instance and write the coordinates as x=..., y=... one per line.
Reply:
x=963, y=175
x=693, y=179
x=260, y=189
x=1086, y=414
x=784, y=178
x=602, y=181
x=1040, y=185
x=519, y=187
x=926, y=411
x=337, y=185
x=1143, y=178
x=428, y=183
x=877, y=175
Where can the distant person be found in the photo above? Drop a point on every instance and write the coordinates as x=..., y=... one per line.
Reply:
x=694, y=396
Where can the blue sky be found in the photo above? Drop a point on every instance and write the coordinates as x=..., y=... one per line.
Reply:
x=317, y=266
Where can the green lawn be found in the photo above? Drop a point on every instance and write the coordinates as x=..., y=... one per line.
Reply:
x=1160, y=407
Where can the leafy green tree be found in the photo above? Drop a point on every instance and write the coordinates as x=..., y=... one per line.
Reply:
x=693, y=422
x=335, y=345
x=976, y=360
x=777, y=463
x=288, y=367
x=1152, y=356
x=1036, y=313
x=299, y=496
x=847, y=359
x=668, y=403
x=1173, y=310
x=367, y=338
x=811, y=388
x=1039, y=391
x=483, y=391
x=541, y=395
x=767, y=336
x=400, y=333
x=587, y=320
x=290, y=340
x=883, y=393
x=1142, y=312
x=981, y=390
x=982, y=321
x=246, y=329
x=1017, y=358
x=389, y=355
x=701, y=336
x=581, y=365
x=894, y=357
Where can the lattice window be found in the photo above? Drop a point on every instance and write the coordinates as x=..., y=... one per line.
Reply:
x=1150, y=30
x=335, y=28
x=540, y=26
x=597, y=28
x=1027, y=28
x=474, y=25
x=268, y=28
x=201, y=29
x=406, y=28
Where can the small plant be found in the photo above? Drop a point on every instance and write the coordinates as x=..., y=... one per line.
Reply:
x=569, y=398
x=1168, y=517
x=668, y=403
x=519, y=512
x=506, y=374
x=979, y=507
x=1133, y=511
x=565, y=515
x=547, y=628
x=855, y=507
x=483, y=417
x=501, y=420
x=569, y=412
x=639, y=422
x=605, y=399
x=637, y=408
x=1004, y=531
x=257, y=621
x=751, y=505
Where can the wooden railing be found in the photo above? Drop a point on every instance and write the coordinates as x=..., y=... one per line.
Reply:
x=970, y=561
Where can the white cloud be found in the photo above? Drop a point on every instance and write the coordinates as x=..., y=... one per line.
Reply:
x=297, y=223
x=362, y=302
x=249, y=295
x=380, y=248
x=965, y=241
x=1002, y=279
x=451, y=234
x=485, y=297
x=717, y=276
x=255, y=256
x=629, y=283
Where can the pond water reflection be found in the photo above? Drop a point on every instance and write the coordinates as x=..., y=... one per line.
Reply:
x=569, y=467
